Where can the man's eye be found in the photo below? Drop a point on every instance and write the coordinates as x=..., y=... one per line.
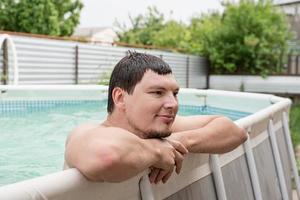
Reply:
x=157, y=93
x=175, y=94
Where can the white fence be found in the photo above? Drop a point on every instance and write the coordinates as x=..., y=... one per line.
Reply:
x=270, y=84
x=48, y=61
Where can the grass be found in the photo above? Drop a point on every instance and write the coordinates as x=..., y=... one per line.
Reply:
x=295, y=129
x=295, y=124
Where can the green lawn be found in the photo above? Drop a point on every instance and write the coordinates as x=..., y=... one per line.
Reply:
x=295, y=124
x=295, y=128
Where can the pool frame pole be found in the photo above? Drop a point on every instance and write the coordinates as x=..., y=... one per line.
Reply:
x=290, y=149
x=218, y=177
x=252, y=167
x=145, y=188
x=278, y=162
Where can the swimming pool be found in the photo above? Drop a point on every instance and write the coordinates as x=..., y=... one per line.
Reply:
x=33, y=132
x=28, y=107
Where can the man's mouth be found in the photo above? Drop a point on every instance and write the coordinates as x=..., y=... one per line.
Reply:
x=166, y=118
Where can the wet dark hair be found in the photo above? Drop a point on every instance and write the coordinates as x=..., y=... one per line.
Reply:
x=130, y=70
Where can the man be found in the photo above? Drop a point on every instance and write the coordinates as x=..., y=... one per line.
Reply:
x=142, y=129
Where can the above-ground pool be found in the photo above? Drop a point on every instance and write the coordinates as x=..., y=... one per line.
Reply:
x=35, y=121
x=33, y=132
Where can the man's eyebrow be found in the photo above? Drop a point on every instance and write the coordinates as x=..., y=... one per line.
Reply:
x=158, y=87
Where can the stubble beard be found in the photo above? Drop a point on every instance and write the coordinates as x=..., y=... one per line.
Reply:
x=148, y=134
x=158, y=134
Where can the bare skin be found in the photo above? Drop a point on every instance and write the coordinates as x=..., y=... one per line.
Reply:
x=113, y=154
x=126, y=143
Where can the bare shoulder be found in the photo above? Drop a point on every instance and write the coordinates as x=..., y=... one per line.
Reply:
x=83, y=129
x=96, y=133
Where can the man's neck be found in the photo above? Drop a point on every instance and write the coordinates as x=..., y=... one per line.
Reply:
x=115, y=120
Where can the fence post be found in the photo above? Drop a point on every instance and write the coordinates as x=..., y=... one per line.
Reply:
x=76, y=64
x=187, y=71
x=297, y=65
x=4, y=78
x=290, y=62
x=207, y=73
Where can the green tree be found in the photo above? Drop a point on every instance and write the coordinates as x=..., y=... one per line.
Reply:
x=153, y=29
x=250, y=37
x=68, y=15
x=172, y=35
x=143, y=28
x=203, y=31
x=50, y=17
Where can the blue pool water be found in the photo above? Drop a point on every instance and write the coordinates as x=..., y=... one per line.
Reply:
x=33, y=133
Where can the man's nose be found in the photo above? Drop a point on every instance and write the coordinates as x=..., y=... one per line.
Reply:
x=171, y=101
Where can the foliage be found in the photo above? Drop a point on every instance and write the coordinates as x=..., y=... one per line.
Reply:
x=294, y=124
x=203, y=33
x=250, y=37
x=142, y=28
x=172, y=35
x=50, y=17
x=152, y=29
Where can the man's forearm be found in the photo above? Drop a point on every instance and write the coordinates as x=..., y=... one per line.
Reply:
x=114, y=154
x=125, y=162
x=220, y=135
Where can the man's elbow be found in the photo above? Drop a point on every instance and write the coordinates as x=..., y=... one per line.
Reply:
x=95, y=165
x=241, y=135
x=238, y=137
x=237, y=134
x=103, y=168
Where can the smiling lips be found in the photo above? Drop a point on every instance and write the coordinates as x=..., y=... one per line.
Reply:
x=166, y=118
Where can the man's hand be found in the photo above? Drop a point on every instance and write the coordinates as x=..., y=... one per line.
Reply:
x=172, y=154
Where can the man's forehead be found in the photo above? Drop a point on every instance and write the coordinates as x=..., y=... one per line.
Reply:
x=152, y=80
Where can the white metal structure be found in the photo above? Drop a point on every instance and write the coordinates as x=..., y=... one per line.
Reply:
x=4, y=37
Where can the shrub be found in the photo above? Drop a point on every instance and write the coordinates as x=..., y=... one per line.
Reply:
x=248, y=38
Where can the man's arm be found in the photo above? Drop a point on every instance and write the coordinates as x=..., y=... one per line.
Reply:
x=114, y=154
x=207, y=134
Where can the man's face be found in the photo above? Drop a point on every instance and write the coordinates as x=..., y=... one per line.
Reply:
x=151, y=108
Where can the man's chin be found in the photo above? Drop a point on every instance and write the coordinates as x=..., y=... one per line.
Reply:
x=158, y=134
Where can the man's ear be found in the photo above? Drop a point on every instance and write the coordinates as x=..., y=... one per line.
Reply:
x=118, y=95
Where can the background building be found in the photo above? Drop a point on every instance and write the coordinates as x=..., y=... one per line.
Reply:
x=292, y=9
x=103, y=35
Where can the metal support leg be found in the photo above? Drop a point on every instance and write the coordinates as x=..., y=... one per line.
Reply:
x=218, y=178
x=288, y=140
x=252, y=168
x=145, y=188
x=278, y=162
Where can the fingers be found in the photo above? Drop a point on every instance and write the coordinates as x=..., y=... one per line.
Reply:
x=171, y=157
x=153, y=174
x=156, y=175
x=162, y=174
x=179, y=154
x=178, y=161
x=178, y=146
x=166, y=177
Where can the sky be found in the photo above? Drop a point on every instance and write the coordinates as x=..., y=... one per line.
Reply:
x=97, y=13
